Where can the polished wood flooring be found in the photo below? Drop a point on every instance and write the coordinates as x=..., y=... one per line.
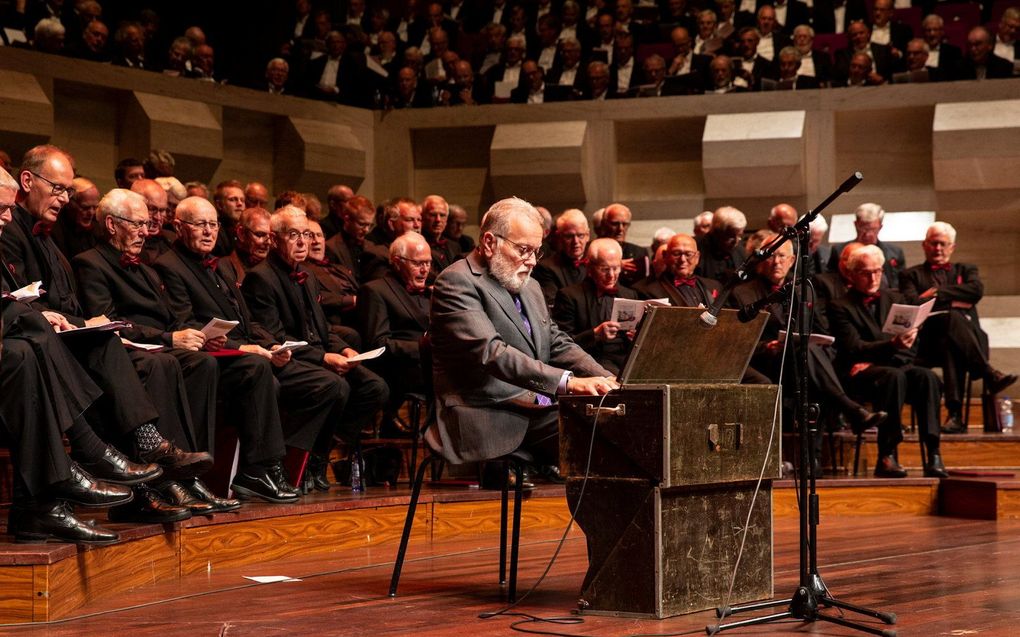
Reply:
x=941, y=576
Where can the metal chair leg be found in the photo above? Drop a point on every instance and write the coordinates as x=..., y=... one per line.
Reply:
x=502, y=522
x=857, y=452
x=414, y=409
x=516, y=541
x=398, y=564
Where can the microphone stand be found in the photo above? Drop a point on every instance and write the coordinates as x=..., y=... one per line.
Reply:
x=812, y=595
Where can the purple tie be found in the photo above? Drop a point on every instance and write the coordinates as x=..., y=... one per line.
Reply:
x=540, y=399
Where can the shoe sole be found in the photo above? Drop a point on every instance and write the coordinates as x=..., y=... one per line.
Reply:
x=131, y=482
x=93, y=505
x=44, y=538
x=185, y=472
x=251, y=494
x=178, y=517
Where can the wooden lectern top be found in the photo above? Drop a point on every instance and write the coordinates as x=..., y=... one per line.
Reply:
x=673, y=346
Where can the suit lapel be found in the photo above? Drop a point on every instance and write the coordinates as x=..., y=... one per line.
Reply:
x=501, y=296
x=205, y=282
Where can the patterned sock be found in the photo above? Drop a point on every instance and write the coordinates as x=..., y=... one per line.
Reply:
x=147, y=437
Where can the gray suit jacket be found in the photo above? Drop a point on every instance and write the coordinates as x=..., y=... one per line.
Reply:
x=486, y=368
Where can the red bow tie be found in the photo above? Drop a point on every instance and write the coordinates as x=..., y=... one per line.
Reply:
x=42, y=229
x=935, y=267
x=129, y=260
x=579, y=263
x=608, y=292
x=680, y=282
x=413, y=291
x=320, y=262
x=870, y=300
x=775, y=288
x=210, y=262
x=299, y=277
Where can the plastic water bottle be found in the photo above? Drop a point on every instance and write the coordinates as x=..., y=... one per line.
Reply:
x=356, y=484
x=1006, y=415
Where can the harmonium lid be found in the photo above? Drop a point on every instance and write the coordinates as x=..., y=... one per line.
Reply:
x=674, y=346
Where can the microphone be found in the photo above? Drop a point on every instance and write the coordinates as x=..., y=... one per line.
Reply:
x=749, y=311
x=850, y=182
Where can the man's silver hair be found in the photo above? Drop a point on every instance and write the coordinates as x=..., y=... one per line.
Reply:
x=728, y=217
x=406, y=243
x=279, y=218
x=858, y=255
x=819, y=225
x=600, y=248
x=868, y=212
x=7, y=182
x=941, y=227
x=49, y=27
x=572, y=216
x=497, y=218
x=117, y=202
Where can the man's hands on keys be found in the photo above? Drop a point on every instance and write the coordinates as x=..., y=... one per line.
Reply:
x=592, y=386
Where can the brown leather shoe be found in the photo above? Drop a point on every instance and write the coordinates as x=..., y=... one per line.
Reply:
x=177, y=495
x=177, y=464
x=887, y=467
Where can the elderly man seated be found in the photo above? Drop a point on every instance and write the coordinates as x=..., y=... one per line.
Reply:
x=868, y=223
x=566, y=265
x=351, y=247
x=583, y=310
x=721, y=249
x=880, y=367
x=952, y=339
x=678, y=283
x=615, y=224
x=393, y=312
x=770, y=276
x=251, y=246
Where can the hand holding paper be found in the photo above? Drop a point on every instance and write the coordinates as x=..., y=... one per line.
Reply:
x=218, y=327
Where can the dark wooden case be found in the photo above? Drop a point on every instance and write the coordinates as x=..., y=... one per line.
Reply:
x=664, y=477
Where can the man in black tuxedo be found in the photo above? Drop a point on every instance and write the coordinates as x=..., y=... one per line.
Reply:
x=435, y=212
x=816, y=64
x=887, y=30
x=787, y=66
x=146, y=401
x=565, y=266
x=772, y=36
x=690, y=68
x=770, y=277
x=944, y=57
x=283, y=297
x=159, y=239
x=859, y=36
x=624, y=74
x=337, y=75
x=917, y=69
x=338, y=283
x=615, y=223
x=230, y=203
x=351, y=247
x=678, y=283
x=868, y=223
x=251, y=246
x=393, y=312
x=583, y=310
x=721, y=249
x=74, y=230
x=953, y=339
x=395, y=217
x=981, y=62
x=878, y=367
x=750, y=67
x=199, y=290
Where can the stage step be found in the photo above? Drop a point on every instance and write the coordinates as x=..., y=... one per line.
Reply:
x=973, y=450
x=989, y=497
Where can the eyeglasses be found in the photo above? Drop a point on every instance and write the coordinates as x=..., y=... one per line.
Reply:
x=420, y=265
x=618, y=224
x=155, y=210
x=258, y=235
x=364, y=225
x=575, y=235
x=782, y=257
x=7, y=208
x=683, y=254
x=294, y=235
x=131, y=223
x=56, y=189
x=606, y=269
x=203, y=225
x=524, y=252
x=938, y=244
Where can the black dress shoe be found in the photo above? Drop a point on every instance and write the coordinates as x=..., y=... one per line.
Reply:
x=54, y=521
x=115, y=467
x=279, y=476
x=996, y=381
x=315, y=473
x=264, y=484
x=148, y=507
x=205, y=494
x=887, y=467
x=954, y=425
x=551, y=474
x=935, y=468
x=861, y=420
x=178, y=464
x=177, y=495
x=83, y=489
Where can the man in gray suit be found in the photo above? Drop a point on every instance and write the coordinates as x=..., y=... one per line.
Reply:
x=498, y=358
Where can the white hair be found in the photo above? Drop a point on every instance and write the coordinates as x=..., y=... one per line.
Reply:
x=858, y=255
x=819, y=225
x=868, y=212
x=939, y=227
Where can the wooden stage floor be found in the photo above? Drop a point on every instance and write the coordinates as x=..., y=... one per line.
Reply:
x=941, y=576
